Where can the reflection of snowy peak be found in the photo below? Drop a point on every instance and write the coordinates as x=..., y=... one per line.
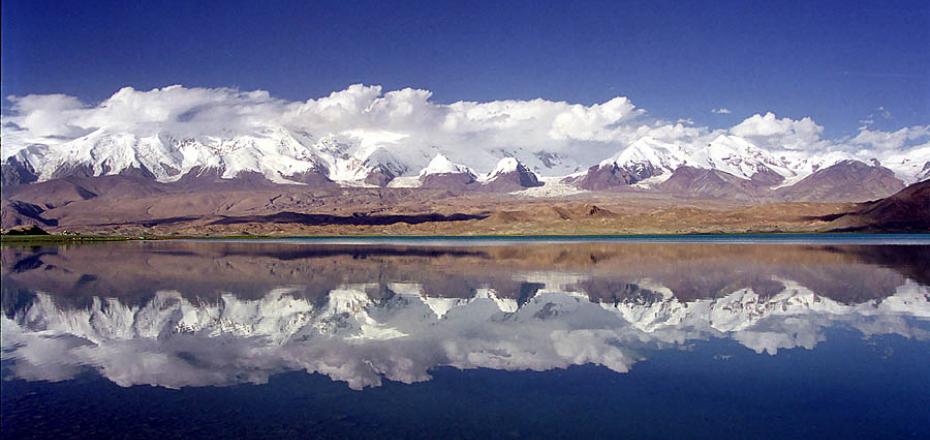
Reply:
x=279, y=312
x=743, y=309
x=354, y=337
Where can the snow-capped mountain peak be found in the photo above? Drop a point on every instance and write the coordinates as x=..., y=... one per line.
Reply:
x=737, y=156
x=505, y=165
x=442, y=165
x=647, y=157
x=510, y=175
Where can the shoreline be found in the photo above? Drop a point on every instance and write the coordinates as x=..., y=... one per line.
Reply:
x=684, y=237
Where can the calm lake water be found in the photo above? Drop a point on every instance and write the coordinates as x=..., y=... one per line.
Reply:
x=798, y=337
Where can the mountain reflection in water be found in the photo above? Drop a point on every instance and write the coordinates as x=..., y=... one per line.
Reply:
x=179, y=314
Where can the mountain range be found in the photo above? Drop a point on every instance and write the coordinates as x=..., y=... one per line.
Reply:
x=108, y=178
x=728, y=165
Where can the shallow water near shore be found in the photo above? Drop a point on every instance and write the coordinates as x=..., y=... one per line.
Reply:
x=744, y=336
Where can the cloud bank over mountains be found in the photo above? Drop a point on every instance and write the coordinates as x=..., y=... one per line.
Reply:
x=474, y=133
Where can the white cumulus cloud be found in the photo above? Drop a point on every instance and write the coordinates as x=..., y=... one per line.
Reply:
x=475, y=133
x=780, y=133
x=894, y=140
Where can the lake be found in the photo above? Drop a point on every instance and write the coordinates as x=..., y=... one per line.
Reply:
x=654, y=337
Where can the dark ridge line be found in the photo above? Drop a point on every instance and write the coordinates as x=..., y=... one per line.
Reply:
x=353, y=220
x=826, y=217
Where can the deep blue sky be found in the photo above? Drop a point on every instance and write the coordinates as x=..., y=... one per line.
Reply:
x=836, y=61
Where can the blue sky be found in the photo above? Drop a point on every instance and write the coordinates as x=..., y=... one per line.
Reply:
x=836, y=61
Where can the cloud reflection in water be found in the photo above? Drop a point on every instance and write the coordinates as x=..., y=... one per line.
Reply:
x=208, y=314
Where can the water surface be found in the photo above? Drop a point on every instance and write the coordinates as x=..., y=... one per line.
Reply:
x=659, y=338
